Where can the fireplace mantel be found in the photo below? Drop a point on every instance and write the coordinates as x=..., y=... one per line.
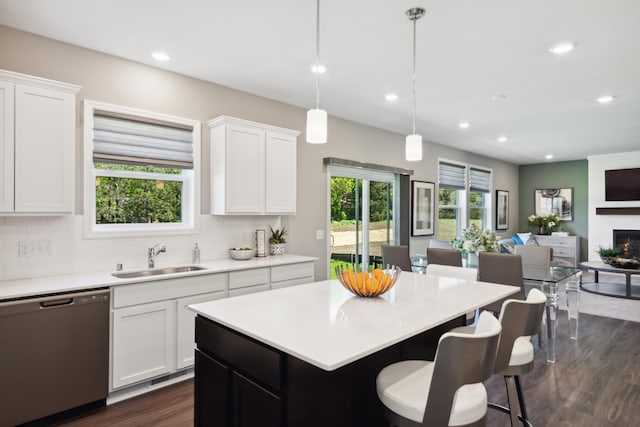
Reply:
x=618, y=211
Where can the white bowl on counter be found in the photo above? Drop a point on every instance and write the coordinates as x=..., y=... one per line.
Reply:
x=242, y=254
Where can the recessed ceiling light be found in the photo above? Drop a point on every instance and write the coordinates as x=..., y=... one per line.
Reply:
x=391, y=97
x=605, y=99
x=562, y=48
x=549, y=156
x=318, y=69
x=464, y=125
x=160, y=56
x=502, y=138
x=499, y=97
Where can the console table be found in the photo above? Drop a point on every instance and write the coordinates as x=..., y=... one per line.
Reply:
x=617, y=290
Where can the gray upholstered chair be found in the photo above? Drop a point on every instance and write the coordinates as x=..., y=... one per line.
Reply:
x=534, y=255
x=505, y=269
x=444, y=256
x=447, y=391
x=397, y=255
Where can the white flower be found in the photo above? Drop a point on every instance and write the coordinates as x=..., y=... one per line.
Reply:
x=467, y=245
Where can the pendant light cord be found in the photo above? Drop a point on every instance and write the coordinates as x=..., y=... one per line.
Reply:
x=317, y=53
x=414, y=75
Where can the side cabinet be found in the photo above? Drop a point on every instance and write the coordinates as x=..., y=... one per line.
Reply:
x=37, y=144
x=238, y=381
x=253, y=168
x=566, y=250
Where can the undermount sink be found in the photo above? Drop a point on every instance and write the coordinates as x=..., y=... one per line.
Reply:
x=157, y=271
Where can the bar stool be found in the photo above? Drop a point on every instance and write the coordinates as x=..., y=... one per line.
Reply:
x=444, y=256
x=520, y=320
x=448, y=391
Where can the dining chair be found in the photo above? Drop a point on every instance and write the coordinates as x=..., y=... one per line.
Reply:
x=447, y=391
x=397, y=255
x=505, y=269
x=520, y=320
x=444, y=256
x=534, y=255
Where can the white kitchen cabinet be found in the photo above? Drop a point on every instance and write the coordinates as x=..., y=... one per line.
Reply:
x=149, y=325
x=37, y=145
x=143, y=342
x=253, y=168
x=244, y=282
x=283, y=276
x=186, y=327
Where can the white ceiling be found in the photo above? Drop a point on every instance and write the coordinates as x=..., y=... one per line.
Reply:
x=468, y=52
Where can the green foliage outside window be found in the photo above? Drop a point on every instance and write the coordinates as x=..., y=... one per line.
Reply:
x=137, y=200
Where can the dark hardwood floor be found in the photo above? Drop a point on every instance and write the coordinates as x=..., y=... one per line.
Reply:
x=594, y=383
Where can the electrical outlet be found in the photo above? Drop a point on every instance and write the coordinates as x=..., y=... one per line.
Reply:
x=34, y=248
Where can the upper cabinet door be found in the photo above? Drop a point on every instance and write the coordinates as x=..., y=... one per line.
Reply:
x=245, y=169
x=280, y=175
x=44, y=150
x=6, y=146
x=253, y=168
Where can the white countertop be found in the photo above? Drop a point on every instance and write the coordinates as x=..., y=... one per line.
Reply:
x=327, y=326
x=72, y=282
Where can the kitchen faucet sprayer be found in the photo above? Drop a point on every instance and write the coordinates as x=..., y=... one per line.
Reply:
x=154, y=251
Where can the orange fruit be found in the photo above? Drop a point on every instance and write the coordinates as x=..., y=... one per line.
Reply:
x=376, y=284
x=377, y=272
x=362, y=280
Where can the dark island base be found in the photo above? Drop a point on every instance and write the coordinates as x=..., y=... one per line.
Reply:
x=242, y=382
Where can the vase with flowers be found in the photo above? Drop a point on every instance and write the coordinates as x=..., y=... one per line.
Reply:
x=474, y=240
x=543, y=224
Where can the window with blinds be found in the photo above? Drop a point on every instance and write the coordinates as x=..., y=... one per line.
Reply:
x=143, y=169
x=464, y=198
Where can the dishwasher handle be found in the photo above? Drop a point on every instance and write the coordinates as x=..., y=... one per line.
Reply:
x=38, y=303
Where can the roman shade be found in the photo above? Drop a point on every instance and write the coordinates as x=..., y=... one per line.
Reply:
x=125, y=139
x=480, y=180
x=451, y=176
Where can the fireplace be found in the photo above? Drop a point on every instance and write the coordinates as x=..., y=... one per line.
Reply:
x=628, y=241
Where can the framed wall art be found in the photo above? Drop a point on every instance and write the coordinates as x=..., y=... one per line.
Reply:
x=422, y=208
x=557, y=201
x=502, y=209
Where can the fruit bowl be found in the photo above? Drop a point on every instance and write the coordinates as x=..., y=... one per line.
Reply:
x=628, y=263
x=242, y=253
x=368, y=284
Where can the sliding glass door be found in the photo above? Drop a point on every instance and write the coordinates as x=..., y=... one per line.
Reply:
x=362, y=215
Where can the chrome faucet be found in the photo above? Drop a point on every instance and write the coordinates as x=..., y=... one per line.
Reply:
x=154, y=251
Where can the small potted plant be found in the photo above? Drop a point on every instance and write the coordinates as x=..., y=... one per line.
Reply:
x=606, y=254
x=277, y=243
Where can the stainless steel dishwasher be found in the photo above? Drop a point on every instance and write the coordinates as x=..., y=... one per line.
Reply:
x=54, y=354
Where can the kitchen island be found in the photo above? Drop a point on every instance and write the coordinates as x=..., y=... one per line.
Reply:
x=309, y=355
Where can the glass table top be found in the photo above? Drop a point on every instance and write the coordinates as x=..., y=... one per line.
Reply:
x=552, y=274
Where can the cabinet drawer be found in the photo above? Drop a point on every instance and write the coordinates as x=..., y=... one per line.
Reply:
x=563, y=251
x=161, y=290
x=293, y=271
x=292, y=282
x=241, y=279
x=248, y=290
x=242, y=353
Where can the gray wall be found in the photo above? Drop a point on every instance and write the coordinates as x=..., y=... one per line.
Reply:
x=572, y=174
x=118, y=81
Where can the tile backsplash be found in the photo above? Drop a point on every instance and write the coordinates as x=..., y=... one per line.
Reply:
x=49, y=246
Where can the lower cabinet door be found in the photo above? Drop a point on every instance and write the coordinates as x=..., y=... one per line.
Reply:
x=143, y=342
x=254, y=406
x=212, y=392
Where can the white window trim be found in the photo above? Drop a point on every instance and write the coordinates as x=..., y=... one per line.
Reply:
x=191, y=181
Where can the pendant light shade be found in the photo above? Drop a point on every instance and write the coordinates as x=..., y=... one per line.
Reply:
x=413, y=142
x=413, y=148
x=317, y=118
x=316, y=126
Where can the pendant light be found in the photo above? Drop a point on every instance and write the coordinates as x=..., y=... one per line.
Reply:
x=317, y=118
x=413, y=142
